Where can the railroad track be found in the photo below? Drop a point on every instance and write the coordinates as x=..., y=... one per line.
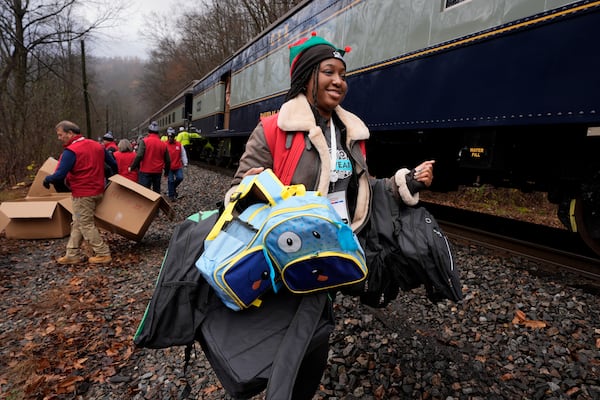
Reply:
x=585, y=266
x=554, y=251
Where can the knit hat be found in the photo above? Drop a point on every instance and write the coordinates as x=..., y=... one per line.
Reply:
x=108, y=136
x=307, y=52
x=153, y=127
x=170, y=131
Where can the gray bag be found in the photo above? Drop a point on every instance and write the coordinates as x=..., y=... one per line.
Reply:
x=268, y=346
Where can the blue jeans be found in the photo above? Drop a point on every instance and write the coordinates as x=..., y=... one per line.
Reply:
x=175, y=178
x=151, y=181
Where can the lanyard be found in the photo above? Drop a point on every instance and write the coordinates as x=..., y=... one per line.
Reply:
x=333, y=152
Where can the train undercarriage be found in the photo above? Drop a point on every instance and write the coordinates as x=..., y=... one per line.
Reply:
x=529, y=158
x=560, y=161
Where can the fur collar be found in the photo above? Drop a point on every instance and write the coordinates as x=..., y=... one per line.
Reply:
x=296, y=115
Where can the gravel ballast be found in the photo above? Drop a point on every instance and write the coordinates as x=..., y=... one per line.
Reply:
x=67, y=331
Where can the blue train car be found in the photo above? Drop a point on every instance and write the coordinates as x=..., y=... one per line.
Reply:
x=497, y=91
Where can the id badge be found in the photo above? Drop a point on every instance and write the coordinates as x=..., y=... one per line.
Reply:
x=338, y=201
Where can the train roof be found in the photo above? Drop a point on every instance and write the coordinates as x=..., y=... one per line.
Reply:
x=214, y=75
x=178, y=97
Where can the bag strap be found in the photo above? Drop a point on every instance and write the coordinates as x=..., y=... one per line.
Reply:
x=298, y=336
x=226, y=216
x=265, y=185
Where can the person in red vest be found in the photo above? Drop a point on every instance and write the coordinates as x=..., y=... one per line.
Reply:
x=124, y=157
x=152, y=159
x=178, y=161
x=108, y=140
x=82, y=164
x=313, y=141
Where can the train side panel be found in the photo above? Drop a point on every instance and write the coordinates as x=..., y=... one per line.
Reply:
x=208, y=108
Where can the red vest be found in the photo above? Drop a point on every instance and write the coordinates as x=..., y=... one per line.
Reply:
x=111, y=146
x=124, y=160
x=154, y=155
x=285, y=159
x=175, y=155
x=86, y=178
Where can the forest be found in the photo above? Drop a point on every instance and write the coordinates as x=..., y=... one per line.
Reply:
x=46, y=74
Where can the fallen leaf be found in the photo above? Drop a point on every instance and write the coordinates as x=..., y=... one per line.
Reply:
x=534, y=324
x=70, y=381
x=78, y=364
x=506, y=377
x=76, y=281
x=519, y=317
x=210, y=389
x=112, y=352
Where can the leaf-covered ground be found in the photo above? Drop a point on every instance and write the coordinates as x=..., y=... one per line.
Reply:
x=66, y=328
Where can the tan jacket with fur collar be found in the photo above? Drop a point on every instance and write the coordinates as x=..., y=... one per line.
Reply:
x=313, y=168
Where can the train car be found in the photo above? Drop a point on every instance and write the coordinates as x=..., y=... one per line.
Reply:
x=503, y=92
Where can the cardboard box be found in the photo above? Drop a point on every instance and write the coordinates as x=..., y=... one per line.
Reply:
x=36, y=219
x=42, y=214
x=37, y=188
x=128, y=208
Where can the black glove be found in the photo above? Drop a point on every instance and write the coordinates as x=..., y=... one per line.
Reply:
x=413, y=184
x=46, y=183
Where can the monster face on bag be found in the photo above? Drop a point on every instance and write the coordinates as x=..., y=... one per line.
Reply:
x=311, y=247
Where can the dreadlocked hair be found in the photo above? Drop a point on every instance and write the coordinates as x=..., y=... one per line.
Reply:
x=299, y=85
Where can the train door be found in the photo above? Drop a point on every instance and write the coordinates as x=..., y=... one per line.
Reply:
x=188, y=109
x=226, y=106
x=223, y=147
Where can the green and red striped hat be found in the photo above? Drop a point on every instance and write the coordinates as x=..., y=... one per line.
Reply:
x=307, y=52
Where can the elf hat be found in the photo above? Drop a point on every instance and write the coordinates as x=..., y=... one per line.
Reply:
x=307, y=52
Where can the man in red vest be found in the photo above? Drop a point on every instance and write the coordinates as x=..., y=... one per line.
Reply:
x=108, y=140
x=82, y=164
x=152, y=159
x=178, y=161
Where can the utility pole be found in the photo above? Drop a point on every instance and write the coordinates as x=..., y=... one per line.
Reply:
x=85, y=93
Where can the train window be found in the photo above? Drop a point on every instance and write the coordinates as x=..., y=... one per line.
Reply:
x=199, y=105
x=452, y=3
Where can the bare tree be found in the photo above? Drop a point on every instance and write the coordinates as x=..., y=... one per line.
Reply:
x=37, y=55
x=201, y=39
x=262, y=13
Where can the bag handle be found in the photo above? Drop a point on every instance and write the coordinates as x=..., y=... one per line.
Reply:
x=266, y=187
x=226, y=217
